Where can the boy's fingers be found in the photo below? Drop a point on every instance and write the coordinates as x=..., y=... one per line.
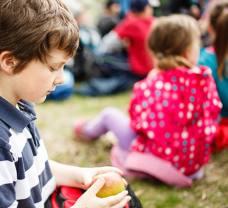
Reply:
x=122, y=203
x=112, y=200
x=88, y=180
x=109, y=169
x=98, y=184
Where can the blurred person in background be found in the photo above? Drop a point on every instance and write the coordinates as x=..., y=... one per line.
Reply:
x=122, y=56
x=190, y=7
x=216, y=57
x=81, y=64
x=109, y=19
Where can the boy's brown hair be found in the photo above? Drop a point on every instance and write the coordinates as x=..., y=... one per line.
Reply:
x=31, y=28
x=171, y=36
x=219, y=23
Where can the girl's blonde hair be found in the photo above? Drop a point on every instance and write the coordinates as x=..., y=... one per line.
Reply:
x=171, y=36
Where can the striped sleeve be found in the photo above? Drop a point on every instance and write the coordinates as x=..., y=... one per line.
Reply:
x=8, y=177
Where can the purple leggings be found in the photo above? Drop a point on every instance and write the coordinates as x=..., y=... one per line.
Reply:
x=111, y=119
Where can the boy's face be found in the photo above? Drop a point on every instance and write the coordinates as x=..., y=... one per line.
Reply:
x=38, y=79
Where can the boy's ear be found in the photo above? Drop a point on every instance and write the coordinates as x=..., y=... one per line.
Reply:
x=7, y=62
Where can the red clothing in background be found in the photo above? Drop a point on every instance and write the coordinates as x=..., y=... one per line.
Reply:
x=136, y=31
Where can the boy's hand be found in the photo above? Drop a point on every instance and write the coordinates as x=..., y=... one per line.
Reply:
x=88, y=174
x=89, y=198
x=68, y=175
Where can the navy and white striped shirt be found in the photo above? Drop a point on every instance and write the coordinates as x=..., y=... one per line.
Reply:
x=25, y=177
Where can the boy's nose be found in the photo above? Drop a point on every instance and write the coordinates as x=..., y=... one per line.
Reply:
x=60, y=78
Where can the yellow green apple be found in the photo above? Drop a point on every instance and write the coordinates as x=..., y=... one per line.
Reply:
x=114, y=184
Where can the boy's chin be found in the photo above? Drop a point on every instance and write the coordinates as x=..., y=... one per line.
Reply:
x=41, y=100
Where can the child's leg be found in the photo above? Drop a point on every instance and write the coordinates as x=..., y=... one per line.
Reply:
x=111, y=119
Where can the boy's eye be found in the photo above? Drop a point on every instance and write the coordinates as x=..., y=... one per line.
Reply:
x=53, y=69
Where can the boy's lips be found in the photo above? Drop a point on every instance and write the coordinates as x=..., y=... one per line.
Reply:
x=50, y=91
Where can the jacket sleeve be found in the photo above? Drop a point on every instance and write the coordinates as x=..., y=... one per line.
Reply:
x=110, y=43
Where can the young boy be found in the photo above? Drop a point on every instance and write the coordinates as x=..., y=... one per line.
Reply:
x=37, y=38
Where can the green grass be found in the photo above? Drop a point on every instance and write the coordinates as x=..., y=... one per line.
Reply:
x=55, y=120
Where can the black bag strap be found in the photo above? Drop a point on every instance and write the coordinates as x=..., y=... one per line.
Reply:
x=134, y=202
